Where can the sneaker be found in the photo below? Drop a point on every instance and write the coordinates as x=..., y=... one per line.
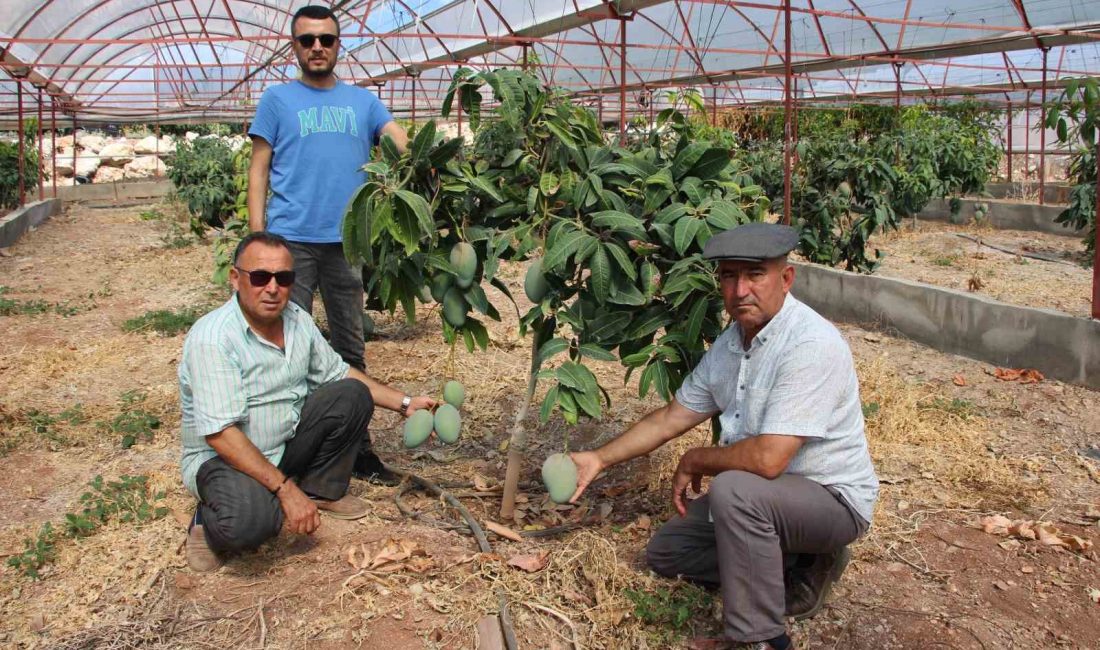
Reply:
x=368, y=467
x=200, y=557
x=346, y=507
x=807, y=589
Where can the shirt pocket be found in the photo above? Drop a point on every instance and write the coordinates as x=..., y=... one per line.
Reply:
x=754, y=408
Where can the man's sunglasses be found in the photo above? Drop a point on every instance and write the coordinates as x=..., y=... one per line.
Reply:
x=307, y=40
x=261, y=278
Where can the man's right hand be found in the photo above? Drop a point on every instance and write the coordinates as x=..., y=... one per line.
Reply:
x=300, y=513
x=589, y=466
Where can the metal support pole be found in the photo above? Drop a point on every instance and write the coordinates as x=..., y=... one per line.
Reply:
x=413, y=101
x=897, y=87
x=1027, y=133
x=1043, y=134
x=458, y=104
x=156, y=134
x=622, y=81
x=38, y=164
x=787, y=112
x=74, y=146
x=53, y=144
x=22, y=171
x=1096, y=248
x=1009, y=122
x=714, y=106
x=794, y=123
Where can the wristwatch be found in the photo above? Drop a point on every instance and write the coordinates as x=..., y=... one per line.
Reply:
x=405, y=402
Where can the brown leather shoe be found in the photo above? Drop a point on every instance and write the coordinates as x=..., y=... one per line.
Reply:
x=807, y=589
x=346, y=507
x=199, y=555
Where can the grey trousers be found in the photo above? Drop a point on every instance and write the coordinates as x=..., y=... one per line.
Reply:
x=239, y=514
x=324, y=266
x=757, y=522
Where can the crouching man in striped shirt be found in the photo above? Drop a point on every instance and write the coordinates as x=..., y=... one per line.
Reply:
x=793, y=483
x=272, y=417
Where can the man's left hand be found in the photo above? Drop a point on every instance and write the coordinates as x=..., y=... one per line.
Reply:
x=419, y=402
x=683, y=477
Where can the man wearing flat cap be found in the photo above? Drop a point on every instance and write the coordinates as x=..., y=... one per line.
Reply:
x=792, y=479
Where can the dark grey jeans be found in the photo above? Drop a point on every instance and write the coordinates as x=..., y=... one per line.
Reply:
x=324, y=266
x=757, y=522
x=239, y=514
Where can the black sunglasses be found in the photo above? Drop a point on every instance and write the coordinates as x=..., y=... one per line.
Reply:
x=260, y=277
x=307, y=40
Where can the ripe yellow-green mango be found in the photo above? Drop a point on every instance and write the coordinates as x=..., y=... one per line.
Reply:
x=440, y=283
x=418, y=427
x=559, y=475
x=464, y=259
x=448, y=423
x=454, y=307
x=454, y=393
x=534, y=284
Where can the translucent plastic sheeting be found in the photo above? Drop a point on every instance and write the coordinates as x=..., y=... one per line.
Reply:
x=145, y=60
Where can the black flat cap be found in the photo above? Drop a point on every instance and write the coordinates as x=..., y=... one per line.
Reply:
x=753, y=242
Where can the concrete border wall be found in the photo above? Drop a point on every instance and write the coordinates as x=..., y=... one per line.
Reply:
x=17, y=223
x=118, y=191
x=1053, y=192
x=1060, y=346
x=1004, y=215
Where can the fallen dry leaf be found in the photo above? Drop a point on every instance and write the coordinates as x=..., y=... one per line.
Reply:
x=483, y=483
x=1094, y=595
x=1023, y=375
x=1044, y=531
x=503, y=531
x=958, y=380
x=530, y=562
x=1002, y=585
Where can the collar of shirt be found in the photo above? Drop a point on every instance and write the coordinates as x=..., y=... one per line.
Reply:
x=770, y=328
x=290, y=319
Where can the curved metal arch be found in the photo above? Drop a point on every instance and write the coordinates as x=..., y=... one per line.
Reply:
x=95, y=7
x=80, y=83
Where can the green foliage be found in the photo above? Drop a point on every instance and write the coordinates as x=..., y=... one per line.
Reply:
x=1075, y=117
x=125, y=500
x=236, y=226
x=15, y=307
x=164, y=321
x=203, y=174
x=9, y=167
x=206, y=128
x=133, y=422
x=37, y=552
x=673, y=607
x=961, y=408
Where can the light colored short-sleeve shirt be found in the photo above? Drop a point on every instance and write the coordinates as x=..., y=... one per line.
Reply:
x=797, y=378
x=231, y=376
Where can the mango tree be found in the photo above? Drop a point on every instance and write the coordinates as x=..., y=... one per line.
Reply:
x=1075, y=117
x=613, y=234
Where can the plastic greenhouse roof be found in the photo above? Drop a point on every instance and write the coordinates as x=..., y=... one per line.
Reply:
x=206, y=60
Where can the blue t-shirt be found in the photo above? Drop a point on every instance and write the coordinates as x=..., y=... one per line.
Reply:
x=320, y=138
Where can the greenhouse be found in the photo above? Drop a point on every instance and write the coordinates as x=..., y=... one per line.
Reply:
x=682, y=323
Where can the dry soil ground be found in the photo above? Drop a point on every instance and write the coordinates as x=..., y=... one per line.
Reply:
x=951, y=443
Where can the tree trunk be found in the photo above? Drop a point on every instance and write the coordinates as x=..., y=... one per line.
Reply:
x=518, y=443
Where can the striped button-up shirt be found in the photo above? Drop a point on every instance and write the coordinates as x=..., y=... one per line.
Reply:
x=231, y=376
x=797, y=378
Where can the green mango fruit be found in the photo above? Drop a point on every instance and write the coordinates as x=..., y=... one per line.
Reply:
x=454, y=393
x=440, y=283
x=455, y=307
x=464, y=259
x=559, y=475
x=448, y=423
x=418, y=427
x=844, y=189
x=425, y=294
x=534, y=283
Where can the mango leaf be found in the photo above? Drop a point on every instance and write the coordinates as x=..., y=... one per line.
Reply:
x=710, y=164
x=389, y=149
x=561, y=134
x=575, y=376
x=566, y=245
x=623, y=292
x=549, y=184
x=552, y=347
x=422, y=141
x=568, y=405
x=621, y=222
x=420, y=208
x=548, y=404
x=695, y=321
x=473, y=330
x=648, y=322
x=443, y=154
x=593, y=351
x=486, y=187
x=670, y=213
x=607, y=326
x=623, y=259
x=687, y=158
x=589, y=402
x=725, y=215
x=512, y=158
x=600, y=278
x=685, y=231
x=405, y=225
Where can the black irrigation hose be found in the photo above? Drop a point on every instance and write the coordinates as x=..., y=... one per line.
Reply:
x=482, y=543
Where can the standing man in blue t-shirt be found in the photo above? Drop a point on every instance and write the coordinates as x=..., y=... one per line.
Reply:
x=310, y=139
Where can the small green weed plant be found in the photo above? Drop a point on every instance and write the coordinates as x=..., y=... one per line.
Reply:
x=168, y=322
x=134, y=422
x=671, y=608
